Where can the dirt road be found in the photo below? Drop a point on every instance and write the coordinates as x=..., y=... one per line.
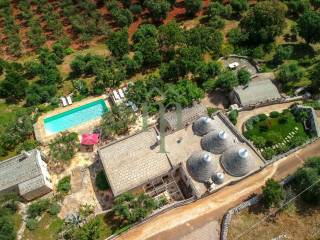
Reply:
x=176, y=223
x=245, y=115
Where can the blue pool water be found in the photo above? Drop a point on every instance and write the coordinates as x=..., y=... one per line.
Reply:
x=75, y=117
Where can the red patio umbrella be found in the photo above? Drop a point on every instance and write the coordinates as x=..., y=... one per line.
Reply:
x=90, y=139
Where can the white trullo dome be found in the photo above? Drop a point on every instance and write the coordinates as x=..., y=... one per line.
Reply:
x=218, y=178
x=216, y=142
x=203, y=125
x=202, y=166
x=237, y=161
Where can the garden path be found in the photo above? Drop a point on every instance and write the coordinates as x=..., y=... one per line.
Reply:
x=245, y=115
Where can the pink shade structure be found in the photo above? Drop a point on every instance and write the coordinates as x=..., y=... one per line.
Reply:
x=90, y=139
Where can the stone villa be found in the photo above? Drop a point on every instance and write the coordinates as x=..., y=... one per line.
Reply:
x=26, y=174
x=206, y=154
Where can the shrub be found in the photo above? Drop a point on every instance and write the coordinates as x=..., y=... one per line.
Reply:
x=64, y=185
x=283, y=120
x=272, y=193
x=64, y=147
x=136, y=9
x=274, y=114
x=268, y=153
x=243, y=76
x=211, y=110
x=273, y=138
x=259, y=141
x=37, y=208
x=262, y=117
x=101, y=181
x=162, y=201
x=264, y=127
x=31, y=224
x=54, y=209
x=233, y=115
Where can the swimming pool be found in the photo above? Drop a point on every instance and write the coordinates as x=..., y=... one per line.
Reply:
x=75, y=117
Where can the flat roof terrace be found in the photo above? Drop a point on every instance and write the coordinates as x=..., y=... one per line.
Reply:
x=181, y=144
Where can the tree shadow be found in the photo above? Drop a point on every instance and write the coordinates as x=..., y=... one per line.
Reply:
x=301, y=50
x=105, y=198
x=305, y=209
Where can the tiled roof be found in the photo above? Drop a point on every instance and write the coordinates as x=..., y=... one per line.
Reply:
x=257, y=91
x=19, y=169
x=132, y=161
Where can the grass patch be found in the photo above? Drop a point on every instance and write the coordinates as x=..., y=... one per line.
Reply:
x=7, y=114
x=283, y=125
x=105, y=229
x=271, y=133
x=294, y=222
x=48, y=228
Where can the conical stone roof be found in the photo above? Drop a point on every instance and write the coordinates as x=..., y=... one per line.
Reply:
x=203, y=125
x=237, y=161
x=218, y=178
x=202, y=166
x=216, y=142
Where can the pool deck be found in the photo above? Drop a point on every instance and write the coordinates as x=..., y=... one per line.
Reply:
x=39, y=129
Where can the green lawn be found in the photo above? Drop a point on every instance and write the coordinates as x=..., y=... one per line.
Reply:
x=48, y=228
x=274, y=125
x=7, y=114
x=269, y=133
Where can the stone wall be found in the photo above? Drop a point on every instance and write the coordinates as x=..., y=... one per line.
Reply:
x=154, y=214
x=228, y=216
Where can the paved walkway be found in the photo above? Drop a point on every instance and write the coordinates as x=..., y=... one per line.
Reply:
x=245, y=115
x=178, y=222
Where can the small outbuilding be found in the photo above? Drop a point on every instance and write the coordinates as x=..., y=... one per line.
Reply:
x=255, y=93
x=26, y=174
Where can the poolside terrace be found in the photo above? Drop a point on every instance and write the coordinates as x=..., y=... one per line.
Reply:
x=39, y=128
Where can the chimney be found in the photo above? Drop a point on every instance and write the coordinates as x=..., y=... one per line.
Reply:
x=25, y=153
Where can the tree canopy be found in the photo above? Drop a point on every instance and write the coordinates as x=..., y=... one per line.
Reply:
x=118, y=42
x=306, y=181
x=264, y=21
x=309, y=26
x=117, y=121
x=272, y=193
x=192, y=6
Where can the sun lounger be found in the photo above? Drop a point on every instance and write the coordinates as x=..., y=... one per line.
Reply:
x=64, y=101
x=69, y=100
x=121, y=93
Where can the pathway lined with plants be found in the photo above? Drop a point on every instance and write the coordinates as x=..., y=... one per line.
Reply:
x=245, y=115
